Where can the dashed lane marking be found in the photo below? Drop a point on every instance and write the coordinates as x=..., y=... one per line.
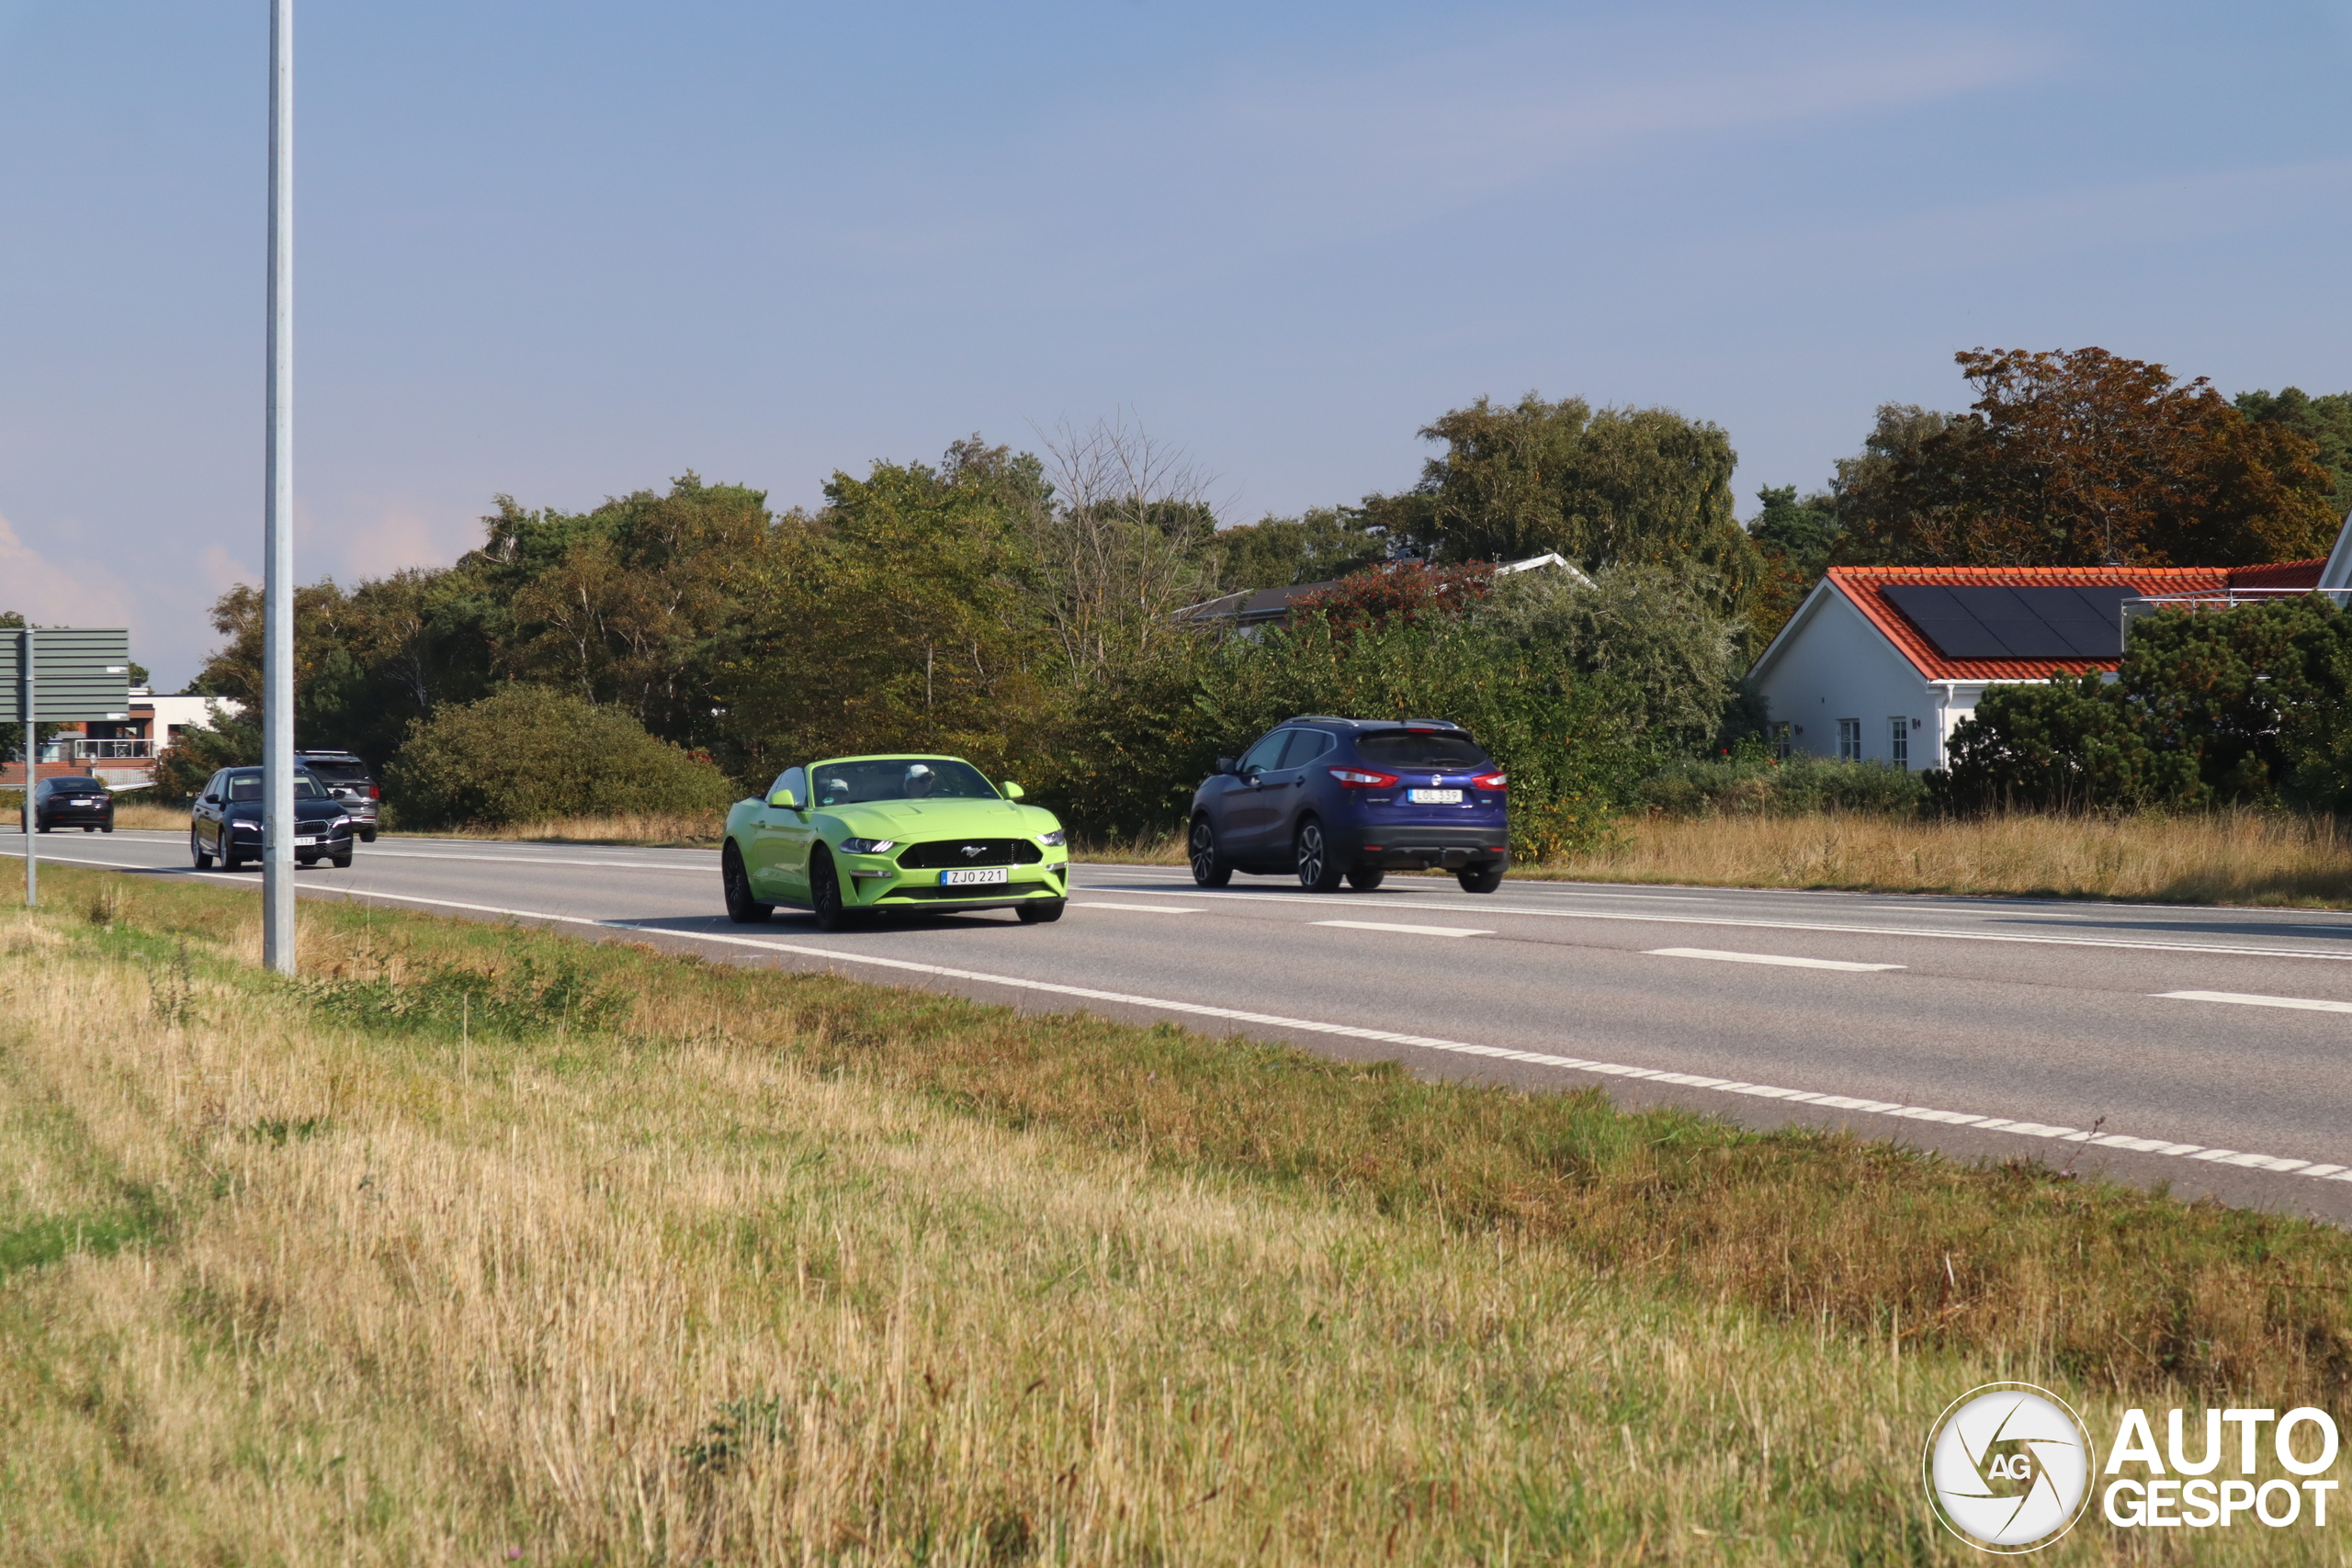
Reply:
x=1133, y=909
x=2273, y=1163
x=2244, y=999
x=2343, y=955
x=1763, y=958
x=1408, y=930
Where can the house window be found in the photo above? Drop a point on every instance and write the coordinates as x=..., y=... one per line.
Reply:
x=1778, y=735
x=1849, y=740
x=1898, y=742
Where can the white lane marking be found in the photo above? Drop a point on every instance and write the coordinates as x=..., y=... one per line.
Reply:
x=1763, y=958
x=1410, y=931
x=538, y=860
x=1424, y=1043
x=1132, y=908
x=2244, y=999
x=1493, y=909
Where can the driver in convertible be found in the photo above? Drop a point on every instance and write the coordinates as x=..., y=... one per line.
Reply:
x=918, y=782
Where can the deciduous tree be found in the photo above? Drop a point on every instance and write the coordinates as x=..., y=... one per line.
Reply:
x=2082, y=459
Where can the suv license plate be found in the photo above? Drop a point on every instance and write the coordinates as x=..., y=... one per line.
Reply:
x=979, y=876
x=1434, y=796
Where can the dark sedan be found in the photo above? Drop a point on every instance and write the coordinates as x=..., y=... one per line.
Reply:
x=227, y=821
x=81, y=803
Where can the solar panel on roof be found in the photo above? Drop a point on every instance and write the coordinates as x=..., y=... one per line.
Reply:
x=1985, y=621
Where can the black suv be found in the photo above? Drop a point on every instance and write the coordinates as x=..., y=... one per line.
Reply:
x=73, y=802
x=345, y=775
x=1354, y=798
x=226, y=821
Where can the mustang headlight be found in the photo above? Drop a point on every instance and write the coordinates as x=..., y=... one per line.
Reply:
x=1051, y=841
x=869, y=846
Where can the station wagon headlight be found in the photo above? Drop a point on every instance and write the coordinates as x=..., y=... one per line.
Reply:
x=1052, y=841
x=869, y=846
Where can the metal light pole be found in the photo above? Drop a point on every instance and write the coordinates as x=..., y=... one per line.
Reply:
x=277, y=571
x=32, y=771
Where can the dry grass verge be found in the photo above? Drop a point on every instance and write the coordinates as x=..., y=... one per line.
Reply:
x=2224, y=858
x=482, y=1242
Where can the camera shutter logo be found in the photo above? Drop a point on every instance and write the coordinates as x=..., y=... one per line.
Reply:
x=2008, y=1467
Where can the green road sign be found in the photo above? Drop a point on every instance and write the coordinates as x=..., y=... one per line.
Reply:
x=79, y=673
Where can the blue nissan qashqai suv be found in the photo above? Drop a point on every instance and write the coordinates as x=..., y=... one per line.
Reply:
x=1329, y=798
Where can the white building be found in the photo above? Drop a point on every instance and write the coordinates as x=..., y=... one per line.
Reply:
x=1882, y=663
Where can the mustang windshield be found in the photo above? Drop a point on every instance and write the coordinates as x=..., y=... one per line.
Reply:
x=899, y=778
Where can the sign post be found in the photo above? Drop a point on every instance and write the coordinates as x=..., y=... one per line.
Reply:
x=60, y=674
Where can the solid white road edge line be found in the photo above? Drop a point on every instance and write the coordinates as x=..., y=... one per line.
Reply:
x=1408, y=930
x=1453, y=1047
x=2244, y=999
x=1493, y=911
x=1762, y=958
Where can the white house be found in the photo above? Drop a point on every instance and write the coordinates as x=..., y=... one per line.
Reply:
x=1881, y=663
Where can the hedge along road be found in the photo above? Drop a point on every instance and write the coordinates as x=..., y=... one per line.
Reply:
x=2210, y=1049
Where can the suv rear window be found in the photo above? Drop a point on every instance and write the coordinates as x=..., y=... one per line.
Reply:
x=338, y=772
x=1420, y=748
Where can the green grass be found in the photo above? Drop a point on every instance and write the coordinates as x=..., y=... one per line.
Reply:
x=477, y=1238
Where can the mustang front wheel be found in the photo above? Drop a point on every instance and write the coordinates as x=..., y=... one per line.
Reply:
x=825, y=894
x=1038, y=911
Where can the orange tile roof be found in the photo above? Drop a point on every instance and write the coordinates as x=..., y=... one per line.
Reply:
x=1862, y=584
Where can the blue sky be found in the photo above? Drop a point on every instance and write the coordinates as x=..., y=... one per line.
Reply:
x=567, y=251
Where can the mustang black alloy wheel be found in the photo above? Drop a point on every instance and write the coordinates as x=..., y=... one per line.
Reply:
x=825, y=894
x=1039, y=911
x=736, y=883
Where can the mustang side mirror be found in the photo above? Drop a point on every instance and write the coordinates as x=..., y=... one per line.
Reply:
x=1227, y=765
x=1012, y=791
x=786, y=799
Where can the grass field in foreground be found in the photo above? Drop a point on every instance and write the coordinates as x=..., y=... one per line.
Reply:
x=481, y=1242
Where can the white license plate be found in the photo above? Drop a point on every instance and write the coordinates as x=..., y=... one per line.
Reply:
x=306, y=844
x=1434, y=796
x=977, y=876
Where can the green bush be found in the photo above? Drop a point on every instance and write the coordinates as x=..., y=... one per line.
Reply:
x=1749, y=782
x=530, y=753
x=2250, y=706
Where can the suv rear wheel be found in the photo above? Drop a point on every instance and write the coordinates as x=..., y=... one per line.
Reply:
x=1364, y=879
x=1481, y=878
x=1209, y=868
x=1317, y=872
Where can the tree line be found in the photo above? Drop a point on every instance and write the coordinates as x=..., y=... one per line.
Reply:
x=1022, y=608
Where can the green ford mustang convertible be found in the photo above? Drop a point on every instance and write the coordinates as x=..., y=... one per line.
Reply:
x=863, y=833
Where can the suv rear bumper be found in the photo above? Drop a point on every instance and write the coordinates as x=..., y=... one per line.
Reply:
x=1414, y=848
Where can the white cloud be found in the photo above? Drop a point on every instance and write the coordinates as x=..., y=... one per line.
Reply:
x=55, y=594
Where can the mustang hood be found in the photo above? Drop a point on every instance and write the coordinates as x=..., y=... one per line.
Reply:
x=917, y=820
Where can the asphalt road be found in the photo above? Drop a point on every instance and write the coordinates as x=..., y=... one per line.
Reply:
x=2210, y=1049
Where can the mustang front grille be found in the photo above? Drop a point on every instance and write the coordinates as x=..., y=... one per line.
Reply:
x=942, y=852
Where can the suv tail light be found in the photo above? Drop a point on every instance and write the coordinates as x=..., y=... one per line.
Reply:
x=1357, y=778
x=1491, y=780
x=375, y=794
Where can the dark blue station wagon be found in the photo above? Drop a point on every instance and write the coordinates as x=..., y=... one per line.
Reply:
x=1330, y=799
